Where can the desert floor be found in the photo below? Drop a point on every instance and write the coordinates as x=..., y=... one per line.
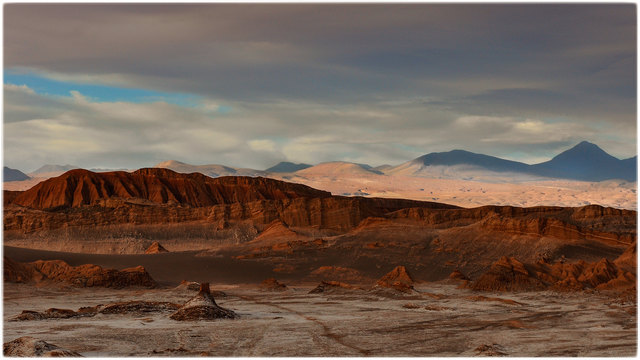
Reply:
x=440, y=321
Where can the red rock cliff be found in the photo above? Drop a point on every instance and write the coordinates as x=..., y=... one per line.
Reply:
x=82, y=187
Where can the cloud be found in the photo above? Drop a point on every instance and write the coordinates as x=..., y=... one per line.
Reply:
x=373, y=83
x=107, y=134
x=89, y=133
x=263, y=145
x=277, y=51
x=19, y=88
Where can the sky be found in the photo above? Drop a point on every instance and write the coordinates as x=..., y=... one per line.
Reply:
x=249, y=85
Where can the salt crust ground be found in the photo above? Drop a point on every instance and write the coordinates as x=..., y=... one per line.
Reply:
x=442, y=321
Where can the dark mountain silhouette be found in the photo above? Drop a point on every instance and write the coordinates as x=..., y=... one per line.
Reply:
x=585, y=161
x=10, y=174
x=286, y=167
x=461, y=157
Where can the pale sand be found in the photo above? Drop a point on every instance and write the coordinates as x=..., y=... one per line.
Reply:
x=613, y=193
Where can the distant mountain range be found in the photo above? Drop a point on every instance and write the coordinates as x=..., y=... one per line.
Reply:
x=287, y=167
x=338, y=168
x=49, y=168
x=213, y=170
x=10, y=174
x=585, y=162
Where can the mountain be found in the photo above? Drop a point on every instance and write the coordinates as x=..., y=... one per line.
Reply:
x=460, y=160
x=212, y=170
x=588, y=162
x=51, y=168
x=338, y=168
x=460, y=157
x=80, y=187
x=10, y=174
x=287, y=167
x=585, y=162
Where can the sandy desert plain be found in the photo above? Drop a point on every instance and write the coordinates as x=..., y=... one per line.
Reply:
x=116, y=264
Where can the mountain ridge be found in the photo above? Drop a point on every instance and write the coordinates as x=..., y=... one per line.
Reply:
x=286, y=167
x=10, y=174
x=212, y=170
x=81, y=187
x=49, y=168
x=585, y=162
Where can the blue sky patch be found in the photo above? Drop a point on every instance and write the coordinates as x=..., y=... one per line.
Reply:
x=100, y=93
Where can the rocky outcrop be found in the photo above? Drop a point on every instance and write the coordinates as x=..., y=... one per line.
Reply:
x=600, y=275
x=137, y=307
x=51, y=313
x=80, y=187
x=591, y=222
x=202, y=307
x=458, y=275
x=335, y=213
x=508, y=274
x=9, y=196
x=125, y=307
x=272, y=284
x=17, y=272
x=155, y=248
x=332, y=287
x=628, y=261
x=28, y=346
x=58, y=271
x=398, y=279
x=277, y=233
x=188, y=285
x=340, y=273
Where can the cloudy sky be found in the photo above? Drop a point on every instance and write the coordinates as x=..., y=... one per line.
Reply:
x=128, y=86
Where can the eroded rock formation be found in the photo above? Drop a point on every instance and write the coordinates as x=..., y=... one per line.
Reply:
x=332, y=287
x=267, y=219
x=458, y=275
x=58, y=271
x=272, y=284
x=28, y=346
x=339, y=273
x=124, y=307
x=508, y=274
x=80, y=187
x=155, y=248
x=202, y=307
x=398, y=279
